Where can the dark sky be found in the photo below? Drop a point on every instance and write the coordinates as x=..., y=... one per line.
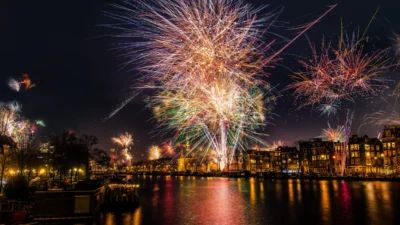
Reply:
x=79, y=79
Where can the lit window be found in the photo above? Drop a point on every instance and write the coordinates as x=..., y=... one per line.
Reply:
x=393, y=144
x=384, y=145
x=366, y=146
x=377, y=147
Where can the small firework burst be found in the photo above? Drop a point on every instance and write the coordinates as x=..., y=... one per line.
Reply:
x=40, y=122
x=14, y=85
x=155, y=152
x=124, y=140
x=334, y=135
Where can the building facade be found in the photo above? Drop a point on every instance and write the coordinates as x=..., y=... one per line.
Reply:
x=284, y=159
x=391, y=150
x=364, y=155
x=317, y=156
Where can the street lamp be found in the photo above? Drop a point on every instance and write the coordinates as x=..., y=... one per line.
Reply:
x=42, y=171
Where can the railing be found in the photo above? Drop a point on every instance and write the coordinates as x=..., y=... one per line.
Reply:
x=121, y=193
x=15, y=206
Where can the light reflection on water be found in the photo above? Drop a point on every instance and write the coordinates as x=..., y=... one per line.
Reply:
x=191, y=200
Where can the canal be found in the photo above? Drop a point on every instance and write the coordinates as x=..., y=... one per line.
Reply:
x=197, y=200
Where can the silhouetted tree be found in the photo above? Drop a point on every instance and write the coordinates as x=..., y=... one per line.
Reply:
x=70, y=152
x=87, y=141
x=61, y=152
x=100, y=157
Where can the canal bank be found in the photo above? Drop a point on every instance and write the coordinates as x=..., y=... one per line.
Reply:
x=268, y=175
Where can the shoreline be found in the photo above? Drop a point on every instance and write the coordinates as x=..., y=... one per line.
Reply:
x=261, y=175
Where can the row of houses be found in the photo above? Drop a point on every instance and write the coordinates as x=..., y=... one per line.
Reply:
x=364, y=155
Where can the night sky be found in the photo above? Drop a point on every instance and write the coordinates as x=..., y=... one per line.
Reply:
x=66, y=52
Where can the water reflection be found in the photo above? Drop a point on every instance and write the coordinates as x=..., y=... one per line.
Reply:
x=325, y=203
x=191, y=200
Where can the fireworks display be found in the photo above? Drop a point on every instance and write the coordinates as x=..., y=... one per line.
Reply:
x=40, y=122
x=13, y=84
x=383, y=118
x=334, y=135
x=13, y=125
x=155, y=152
x=168, y=148
x=337, y=76
x=26, y=81
x=204, y=60
x=124, y=141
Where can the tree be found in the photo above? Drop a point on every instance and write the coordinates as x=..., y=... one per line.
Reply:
x=6, y=156
x=9, y=113
x=62, y=143
x=24, y=148
x=87, y=141
x=70, y=152
x=100, y=157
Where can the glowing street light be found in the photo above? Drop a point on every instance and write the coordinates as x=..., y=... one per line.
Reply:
x=42, y=171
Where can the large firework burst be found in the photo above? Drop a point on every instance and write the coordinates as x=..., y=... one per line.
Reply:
x=204, y=60
x=337, y=76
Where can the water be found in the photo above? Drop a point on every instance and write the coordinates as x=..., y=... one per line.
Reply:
x=195, y=200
